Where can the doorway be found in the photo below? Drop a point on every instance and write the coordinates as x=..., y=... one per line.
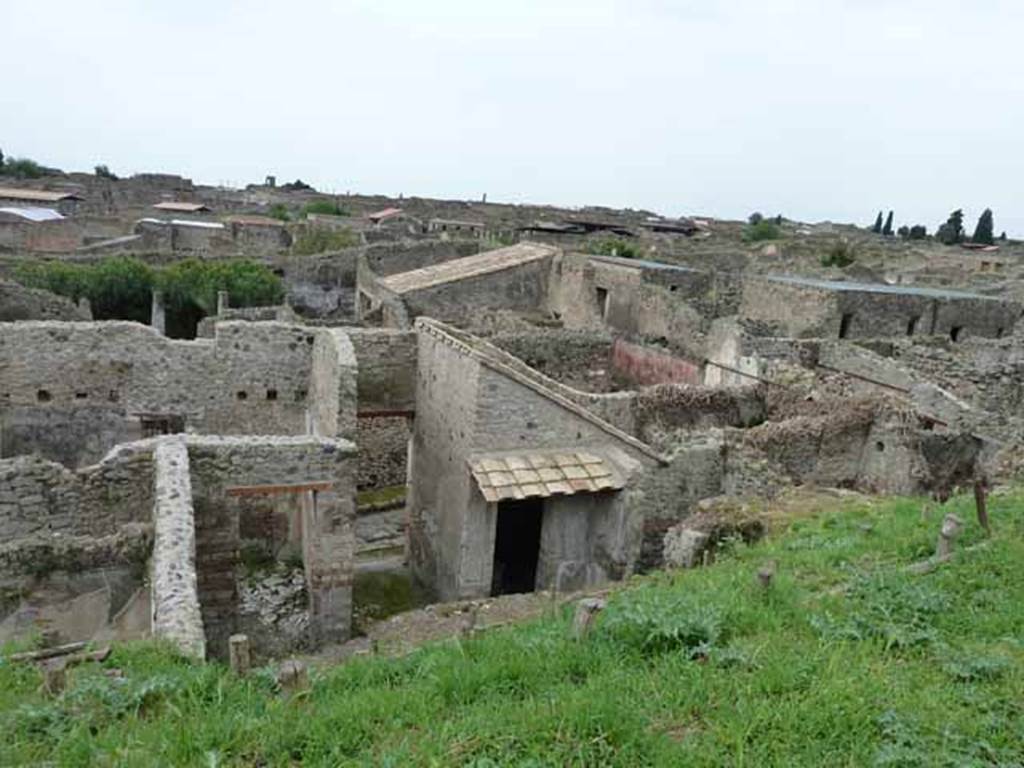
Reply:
x=517, y=546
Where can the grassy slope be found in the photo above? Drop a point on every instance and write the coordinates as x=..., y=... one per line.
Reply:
x=849, y=660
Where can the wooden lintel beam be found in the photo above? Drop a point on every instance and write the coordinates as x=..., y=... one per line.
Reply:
x=277, y=490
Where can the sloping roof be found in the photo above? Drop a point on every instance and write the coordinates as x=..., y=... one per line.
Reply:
x=898, y=290
x=37, y=195
x=526, y=474
x=180, y=206
x=470, y=266
x=387, y=213
x=254, y=221
x=34, y=214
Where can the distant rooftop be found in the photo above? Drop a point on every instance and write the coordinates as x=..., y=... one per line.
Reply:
x=904, y=290
x=387, y=213
x=470, y=266
x=181, y=206
x=253, y=221
x=33, y=214
x=37, y=195
x=645, y=264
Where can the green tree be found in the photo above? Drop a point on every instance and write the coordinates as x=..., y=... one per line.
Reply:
x=918, y=232
x=983, y=231
x=887, y=229
x=23, y=168
x=877, y=228
x=755, y=218
x=952, y=231
x=104, y=172
x=279, y=211
x=118, y=287
x=763, y=230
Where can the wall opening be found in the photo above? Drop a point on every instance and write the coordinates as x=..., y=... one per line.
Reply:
x=271, y=394
x=844, y=325
x=912, y=325
x=43, y=396
x=955, y=331
x=517, y=546
x=602, y=301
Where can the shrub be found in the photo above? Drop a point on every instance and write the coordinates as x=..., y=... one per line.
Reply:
x=952, y=232
x=840, y=254
x=118, y=288
x=918, y=232
x=614, y=246
x=655, y=622
x=755, y=218
x=104, y=172
x=328, y=207
x=763, y=230
x=318, y=240
x=903, y=232
x=279, y=211
x=23, y=168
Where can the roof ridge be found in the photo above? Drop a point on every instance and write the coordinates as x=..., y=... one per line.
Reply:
x=442, y=331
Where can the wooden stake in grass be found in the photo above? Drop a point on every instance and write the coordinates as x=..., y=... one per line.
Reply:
x=948, y=534
x=238, y=654
x=980, y=502
x=766, y=573
x=293, y=677
x=586, y=612
x=54, y=677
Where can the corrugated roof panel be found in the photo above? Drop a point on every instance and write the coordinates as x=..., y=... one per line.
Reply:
x=33, y=214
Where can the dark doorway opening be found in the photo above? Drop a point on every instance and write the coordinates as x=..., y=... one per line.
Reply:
x=844, y=325
x=517, y=546
x=955, y=331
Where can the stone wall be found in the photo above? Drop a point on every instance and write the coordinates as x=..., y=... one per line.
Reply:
x=59, y=382
x=383, y=451
x=20, y=303
x=387, y=368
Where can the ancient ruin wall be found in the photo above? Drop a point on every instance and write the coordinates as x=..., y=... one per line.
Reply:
x=175, y=595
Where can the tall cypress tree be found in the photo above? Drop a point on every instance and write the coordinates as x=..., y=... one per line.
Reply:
x=983, y=232
x=877, y=229
x=887, y=229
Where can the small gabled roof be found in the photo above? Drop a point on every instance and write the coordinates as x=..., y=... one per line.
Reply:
x=387, y=213
x=536, y=473
x=470, y=266
x=37, y=195
x=180, y=206
x=33, y=214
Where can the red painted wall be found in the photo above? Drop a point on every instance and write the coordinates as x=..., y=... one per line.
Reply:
x=646, y=366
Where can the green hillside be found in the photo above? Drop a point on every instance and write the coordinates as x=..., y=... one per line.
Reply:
x=847, y=659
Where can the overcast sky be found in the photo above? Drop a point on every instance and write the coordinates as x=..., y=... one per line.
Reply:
x=818, y=110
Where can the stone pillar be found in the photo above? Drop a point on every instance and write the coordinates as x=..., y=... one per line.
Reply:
x=222, y=302
x=157, y=313
x=328, y=530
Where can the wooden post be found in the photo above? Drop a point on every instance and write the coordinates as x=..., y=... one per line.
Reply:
x=980, y=502
x=54, y=677
x=586, y=612
x=765, y=574
x=951, y=528
x=238, y=654
x=468, y=623
x=293, y=677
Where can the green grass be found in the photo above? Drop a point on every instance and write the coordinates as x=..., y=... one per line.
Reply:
x=848, y=660
x=383, y=495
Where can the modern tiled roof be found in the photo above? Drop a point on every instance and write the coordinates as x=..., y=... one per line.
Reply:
x=531, y=474
x=180, y=206
x=900, y=290
x=470, y=266
x=247, y=220
x=36, y=195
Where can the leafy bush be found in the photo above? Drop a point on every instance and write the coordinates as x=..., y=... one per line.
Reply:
x=655, y=622
x=23, y=168
x=918, y=232
x=121, y=287
x=762, y=230
x=614, y=246
x=840, y=254
x=319, y=240
x=104, y=172
x=952, y=231
x=327, y=207
x=279, y=211
x=118, y=288
x=755, y=218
